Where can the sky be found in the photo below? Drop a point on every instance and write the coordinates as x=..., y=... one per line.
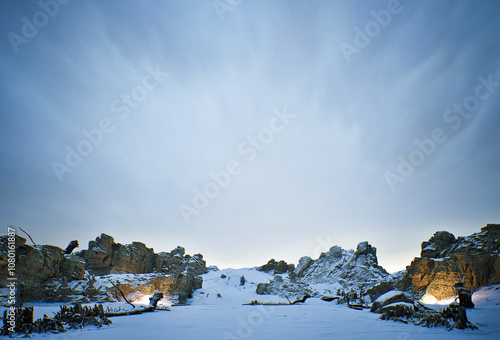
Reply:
x=250, y=130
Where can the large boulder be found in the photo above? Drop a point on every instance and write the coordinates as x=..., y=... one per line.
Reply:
x=379, y=289
x=437, y=244
x=390, y=298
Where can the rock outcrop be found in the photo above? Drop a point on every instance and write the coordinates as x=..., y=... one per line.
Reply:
x=290, y=289
x=338, y=271
x=43, y=272
x=473, y=261
x=37, y=264
x=104, y=256
x=276, y=267
x=350, y=269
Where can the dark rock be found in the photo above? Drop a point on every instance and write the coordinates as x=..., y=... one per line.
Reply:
x=100, y=253
x=71, y=246
x=364, y=248
x=329, y=298
x=276, y=267
x=262, y=288
x=73, y=267
x=242, y=280
x=196, y=265
x=389, y=298
x=383, y=287
x=465, y=297
x=303, y=265
x=186, y=284
x=439, y=242
x=179, y=250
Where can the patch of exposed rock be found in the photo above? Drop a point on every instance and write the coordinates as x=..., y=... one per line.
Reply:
x=446, y=261
x=274, y=267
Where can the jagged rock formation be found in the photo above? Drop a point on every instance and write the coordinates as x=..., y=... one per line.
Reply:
x=336, y=271
x=43, y=272
x=445, y=261
x=276, y=267
x=349, y=268
x=104, y=256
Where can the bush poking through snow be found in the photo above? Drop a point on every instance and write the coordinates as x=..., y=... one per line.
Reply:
x=449, y=317
x=66, y=318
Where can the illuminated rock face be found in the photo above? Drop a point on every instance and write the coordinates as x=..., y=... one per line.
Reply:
x=446, y=261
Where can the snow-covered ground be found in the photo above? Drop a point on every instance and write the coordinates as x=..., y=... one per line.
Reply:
x=212, y=317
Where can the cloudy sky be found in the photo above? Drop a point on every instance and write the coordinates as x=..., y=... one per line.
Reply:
x=250, y=130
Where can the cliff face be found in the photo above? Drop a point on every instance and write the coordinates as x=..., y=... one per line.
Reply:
x=446, y=260
x=35, y=265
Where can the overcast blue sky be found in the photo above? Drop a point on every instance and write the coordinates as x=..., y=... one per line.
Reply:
x=334, y=122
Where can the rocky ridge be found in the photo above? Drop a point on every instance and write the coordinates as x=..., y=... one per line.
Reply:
x=46, y=273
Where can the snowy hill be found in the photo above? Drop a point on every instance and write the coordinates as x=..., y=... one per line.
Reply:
x=224, y=287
